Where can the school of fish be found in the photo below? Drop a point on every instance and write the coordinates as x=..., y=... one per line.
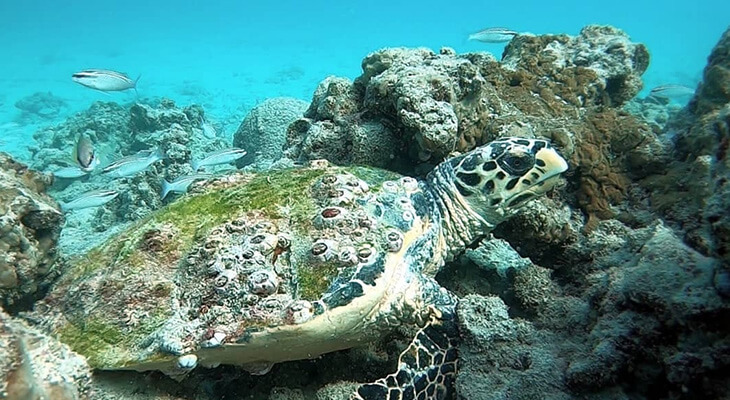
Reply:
x=86, y=161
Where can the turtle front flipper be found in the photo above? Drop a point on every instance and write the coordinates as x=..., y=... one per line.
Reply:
x=427, y=368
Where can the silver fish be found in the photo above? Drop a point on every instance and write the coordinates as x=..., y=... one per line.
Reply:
x=219, y=157
x=93, y=198
x=84, y=153
x=181, y=184
x=69, y=172
x=133, y=164
x=493, y=35
x=672, y=91
x=208, y=130
x=105, y=80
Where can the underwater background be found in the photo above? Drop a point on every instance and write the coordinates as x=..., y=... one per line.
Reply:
x=185, y=206
x=228, y=55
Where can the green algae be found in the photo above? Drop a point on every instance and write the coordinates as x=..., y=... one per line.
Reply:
x=263, y=193
x=107, y=346
x=373, y=176
x=96, y=341
x=315, y=279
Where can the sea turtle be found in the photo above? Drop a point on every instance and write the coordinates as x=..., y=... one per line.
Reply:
x=254, y=270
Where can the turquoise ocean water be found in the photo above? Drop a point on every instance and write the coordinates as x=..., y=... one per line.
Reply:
x=229, y=55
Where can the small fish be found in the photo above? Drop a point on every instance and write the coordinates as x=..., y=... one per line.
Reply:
x=84, y=154
x=105, y=80
x=93, y=198
x=208, y=130
x=181, y=184
x=69, y=172
x=133, y=164
x=219, y=157
x=672, y=91
x=493, y=35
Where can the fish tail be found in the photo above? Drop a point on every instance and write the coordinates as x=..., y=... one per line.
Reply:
x=165, y=189
x=63, y=206
x=160, y=153
x=195, y=165
x=136, y=93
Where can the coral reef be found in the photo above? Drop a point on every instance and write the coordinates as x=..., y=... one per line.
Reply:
x=696, y=180
x=410, y=108
x=30, y=224
x=650, y=297
x=40, y=105
x=657, y=112
x=118, y=131
x=263, y=132
x=614, y=286
x=605, y=51
x=506, y=358
x=36, y=366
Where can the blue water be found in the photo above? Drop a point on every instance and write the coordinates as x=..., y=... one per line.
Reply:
x=229, y=55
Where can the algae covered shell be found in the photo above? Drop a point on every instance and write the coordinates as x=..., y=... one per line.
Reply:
x=247, y=256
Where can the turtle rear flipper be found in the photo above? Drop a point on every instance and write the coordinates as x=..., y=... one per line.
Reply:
x=426, y=369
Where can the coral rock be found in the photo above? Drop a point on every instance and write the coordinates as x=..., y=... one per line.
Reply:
x=604, y=50
x=36, y=366
x=698, y=179
x=263, y=132
x=29, y=230
x=41, y=105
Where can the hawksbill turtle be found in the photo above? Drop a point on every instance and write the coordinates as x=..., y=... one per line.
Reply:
x=257, y=269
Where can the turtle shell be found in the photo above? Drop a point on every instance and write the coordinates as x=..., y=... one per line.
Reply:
x=252, y=269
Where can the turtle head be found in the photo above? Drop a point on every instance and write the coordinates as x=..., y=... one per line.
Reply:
x=496, y=179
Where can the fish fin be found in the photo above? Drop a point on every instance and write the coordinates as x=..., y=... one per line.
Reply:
x=101, y=91
x=165, y=189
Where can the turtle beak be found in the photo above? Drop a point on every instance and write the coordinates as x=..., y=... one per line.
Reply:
x=555, y=164
x=549, y=165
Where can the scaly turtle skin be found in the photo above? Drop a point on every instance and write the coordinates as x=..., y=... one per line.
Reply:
x=260, y=269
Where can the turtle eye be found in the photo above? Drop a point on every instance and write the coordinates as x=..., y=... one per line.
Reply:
x=517, y=164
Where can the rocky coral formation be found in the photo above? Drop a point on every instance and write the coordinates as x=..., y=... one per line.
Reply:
x=410, y=108
x=694, y=193
x=657, y=112
x=40, y=105
x=650, y=295
x=604, y=51
x=36, y=366
x=30, y=224
x=263, y=132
